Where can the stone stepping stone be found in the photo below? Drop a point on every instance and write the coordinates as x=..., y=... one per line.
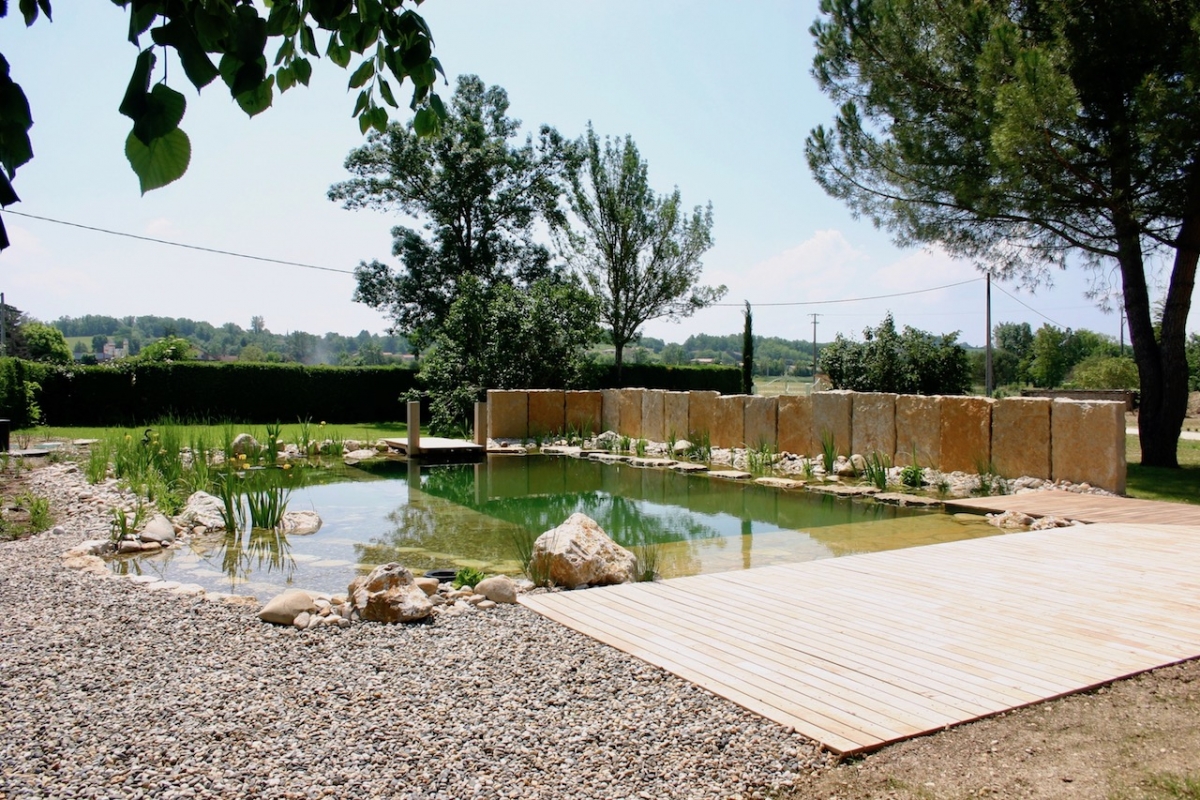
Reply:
x=780, y=483
x=731, y=474
x=842, y=490
x=684, y=466
x=904, y=499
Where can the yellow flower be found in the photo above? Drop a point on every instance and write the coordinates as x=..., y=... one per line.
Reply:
x=128, y=437
x=287, y=466
x=322, y=423
x=241, y=456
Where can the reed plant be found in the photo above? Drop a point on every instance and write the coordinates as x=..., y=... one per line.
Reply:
x=876, y=469
x=761, y=459
x=700, y=447
x=522, y=540
x=639, y=448
x=829, y=451
x=911, y=474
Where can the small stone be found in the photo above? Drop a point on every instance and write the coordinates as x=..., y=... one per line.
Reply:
x=486, y=604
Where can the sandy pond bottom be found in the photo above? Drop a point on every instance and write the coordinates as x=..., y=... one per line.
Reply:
x=469, y=515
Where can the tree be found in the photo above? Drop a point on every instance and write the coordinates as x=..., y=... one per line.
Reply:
x=915, y=362
x=1193, y=359
x=502, y=337
x=1025, y=135
x=389, y=40
x=748, y=352
x=257, y=325
x=638, y=253
x=37, y=341
x=1104, y=372
x=481, y=198
x=252, y=352
x=170, y=348
x=98, y=342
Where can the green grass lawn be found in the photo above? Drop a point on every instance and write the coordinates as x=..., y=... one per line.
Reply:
x=1155, y=483
x=365, y=432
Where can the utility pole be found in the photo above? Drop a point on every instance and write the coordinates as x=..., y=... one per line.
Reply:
x=988, y=376
x=3, y=316
x=814, y=320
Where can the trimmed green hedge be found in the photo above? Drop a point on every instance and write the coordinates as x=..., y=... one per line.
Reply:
x=134, y=393
x=139, y=393
x=726, y=380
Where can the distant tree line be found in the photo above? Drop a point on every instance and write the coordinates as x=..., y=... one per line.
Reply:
x=208, y=342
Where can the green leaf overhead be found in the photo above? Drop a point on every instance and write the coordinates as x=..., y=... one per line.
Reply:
x=230, y=39
x=163, y=161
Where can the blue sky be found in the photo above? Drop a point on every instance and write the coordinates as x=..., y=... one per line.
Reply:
x=717, y=96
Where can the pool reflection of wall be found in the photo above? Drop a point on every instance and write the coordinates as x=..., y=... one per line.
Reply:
x=1082, y=441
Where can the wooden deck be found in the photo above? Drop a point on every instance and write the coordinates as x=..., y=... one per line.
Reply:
x=860, y=651
x=1083, y=507
x=436, y=447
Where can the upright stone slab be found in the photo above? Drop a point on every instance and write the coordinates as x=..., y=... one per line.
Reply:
x=631, y=413
x=831, y=415
x=966, y=440
x=584, y=410
x=761, y=422
x=1087, y=443
x=702, y=414
x=508, y=414
x=1021, y=437
x=675, y=415
x=918, y=430
x=547, y=412
x=729, y=421
x=795, y=425
x=652, y=415
x=874, y=424
x=610, y=413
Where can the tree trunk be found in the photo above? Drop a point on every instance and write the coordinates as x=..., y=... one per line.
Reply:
x=620, y=357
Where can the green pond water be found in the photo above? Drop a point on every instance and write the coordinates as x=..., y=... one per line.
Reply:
x=444, y=517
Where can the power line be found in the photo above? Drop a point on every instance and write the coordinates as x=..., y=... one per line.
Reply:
x=855, y=299
x=1031, y=308
x=179, y=244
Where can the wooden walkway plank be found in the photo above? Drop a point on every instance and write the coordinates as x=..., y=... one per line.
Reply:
x=863, y=650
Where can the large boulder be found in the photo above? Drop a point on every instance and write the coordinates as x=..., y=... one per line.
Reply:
x=300, y=523
x=244, y=445
x=159, y=529
x=202, y=509
x=389, y=594
x=579, y=553
x=498, y=589
x=282, y=609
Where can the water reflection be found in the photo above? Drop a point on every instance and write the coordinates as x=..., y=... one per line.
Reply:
x=454, y=516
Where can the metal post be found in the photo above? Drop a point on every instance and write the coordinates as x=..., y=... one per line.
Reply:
x=988, y=377
x=414, y=428
x=814, y=319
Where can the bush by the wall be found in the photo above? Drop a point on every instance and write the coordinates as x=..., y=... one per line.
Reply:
x=726, y=380
x=19, y=391
x=137, y=393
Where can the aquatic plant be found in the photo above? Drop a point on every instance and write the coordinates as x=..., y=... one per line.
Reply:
x=911, y=474
x=876, y=469
x=467, y=576
x=760, y=459
x=700, y=447
x=829, y=451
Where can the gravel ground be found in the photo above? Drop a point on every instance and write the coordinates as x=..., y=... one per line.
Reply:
x=108, y=689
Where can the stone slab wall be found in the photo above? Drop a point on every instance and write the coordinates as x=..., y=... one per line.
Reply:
x=631, y=413
x=729, y=421
x=702, y=413
x=508, y=414
x=547, y=412
x=873, y=423
x=1077, y=441
x=918, y=430
x=676, y=407
x=653, y=428
x=966, y=438
x=585, y=410
x=831, y=415
x=761, y=422
x=1021, y=436
x=610, y=410
x=1087, y=443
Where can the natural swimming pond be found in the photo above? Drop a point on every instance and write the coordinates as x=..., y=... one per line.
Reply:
x=444, y=517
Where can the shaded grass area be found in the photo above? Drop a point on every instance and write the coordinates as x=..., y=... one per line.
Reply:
x=367, y=432
x=1156, y=483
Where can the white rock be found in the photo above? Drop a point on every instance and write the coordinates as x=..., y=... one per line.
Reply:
x=159, y=529
x=498, y=589
x=389, y=594
x=202, y=509
x=284, y=608
x=580, y=552
x=300, y=523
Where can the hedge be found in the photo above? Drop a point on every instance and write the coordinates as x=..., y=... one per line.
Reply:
x=139, y=393
x=726, y=380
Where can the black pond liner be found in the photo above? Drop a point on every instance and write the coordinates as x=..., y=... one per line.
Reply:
x=442, y=575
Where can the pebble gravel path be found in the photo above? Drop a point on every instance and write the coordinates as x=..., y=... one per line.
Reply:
x=110, y=690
